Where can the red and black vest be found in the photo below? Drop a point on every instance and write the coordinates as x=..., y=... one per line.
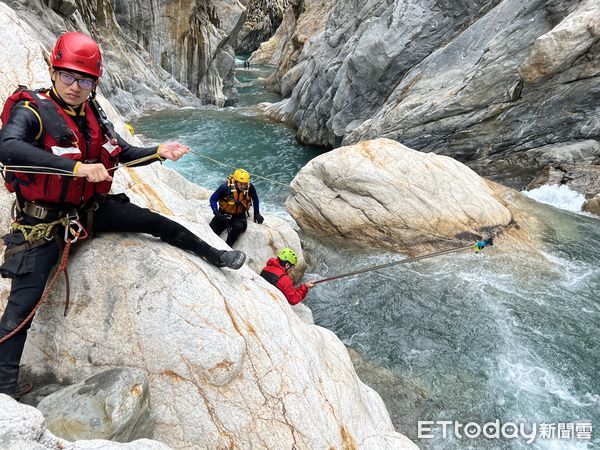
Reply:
x=273, y=273
x=61, y=136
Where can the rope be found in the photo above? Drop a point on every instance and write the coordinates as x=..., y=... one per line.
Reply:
x=477, y=246
x=136, y=161
x=234, y=167
x=43, y=170
x=61, y=268
x=62, y=172
x=39, y=231
x=66, y=173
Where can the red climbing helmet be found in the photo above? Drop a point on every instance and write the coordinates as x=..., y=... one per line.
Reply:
x=79, y=52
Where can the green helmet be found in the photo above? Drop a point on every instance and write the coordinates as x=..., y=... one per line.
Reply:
x=288, y=255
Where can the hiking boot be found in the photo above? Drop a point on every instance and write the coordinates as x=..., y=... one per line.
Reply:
x=20, y=391
x=233, y=259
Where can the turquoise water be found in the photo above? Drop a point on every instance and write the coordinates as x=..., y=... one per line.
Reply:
x=460, y=337
x=476, y=338
x=250, y=91
x=238, y=137
x=235, y=137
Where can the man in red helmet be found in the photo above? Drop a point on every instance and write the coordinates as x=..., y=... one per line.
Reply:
x=62, y=129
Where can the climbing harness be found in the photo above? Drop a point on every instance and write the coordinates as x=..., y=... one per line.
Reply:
x=227, y=219
x=477, y=247
x=36, y=235
x=41, y=230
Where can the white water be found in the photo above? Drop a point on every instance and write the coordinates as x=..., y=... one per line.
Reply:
x=561, y=197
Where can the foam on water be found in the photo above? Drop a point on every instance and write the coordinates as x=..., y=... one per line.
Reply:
x=561, y=197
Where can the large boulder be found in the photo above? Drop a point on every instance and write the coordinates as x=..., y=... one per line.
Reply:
x=112, y=404
x=22, y=427
x=592, y=205
x=228, y=362
x=381, y=193
x=557, y=50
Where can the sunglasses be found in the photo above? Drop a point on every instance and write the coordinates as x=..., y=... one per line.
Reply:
x=68, y=79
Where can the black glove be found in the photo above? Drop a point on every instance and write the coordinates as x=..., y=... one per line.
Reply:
x=219, y=215
x=258, y=218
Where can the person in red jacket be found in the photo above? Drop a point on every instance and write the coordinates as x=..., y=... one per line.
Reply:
x=276, y=273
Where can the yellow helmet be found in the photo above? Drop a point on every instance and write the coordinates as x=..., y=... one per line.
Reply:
x=241, y=176
x=130, y=128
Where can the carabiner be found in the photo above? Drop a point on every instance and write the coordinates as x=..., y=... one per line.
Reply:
x=76, y=232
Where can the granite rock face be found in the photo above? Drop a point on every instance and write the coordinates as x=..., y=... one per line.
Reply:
x=190, y=40
x=380, y=193
x=302, y=20
x=157, y=55
x=582, y=178
x=518, y=170
x=466, y=80
x=263, y=18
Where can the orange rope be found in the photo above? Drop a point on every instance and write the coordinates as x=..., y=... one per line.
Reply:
x=61, y=268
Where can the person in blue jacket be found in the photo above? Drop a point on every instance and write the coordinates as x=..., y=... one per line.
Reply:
x=230, y=204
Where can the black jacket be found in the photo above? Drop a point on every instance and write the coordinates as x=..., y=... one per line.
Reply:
x=18, y=146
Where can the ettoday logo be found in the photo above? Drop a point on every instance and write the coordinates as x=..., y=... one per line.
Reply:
x=508, y=430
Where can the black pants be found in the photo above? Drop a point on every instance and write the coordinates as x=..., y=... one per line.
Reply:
x=235, y=226
x=115, y=213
